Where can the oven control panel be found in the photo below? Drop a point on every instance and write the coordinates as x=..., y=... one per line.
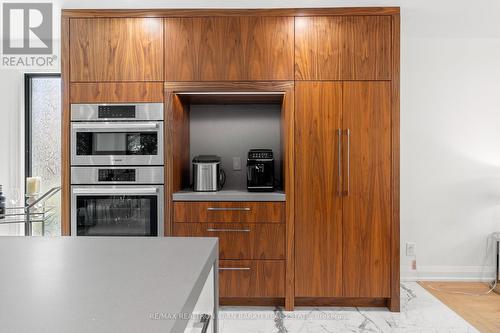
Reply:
x=116, y=111
x=116, y=175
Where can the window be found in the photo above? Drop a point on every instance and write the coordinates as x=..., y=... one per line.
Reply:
x=43, y=139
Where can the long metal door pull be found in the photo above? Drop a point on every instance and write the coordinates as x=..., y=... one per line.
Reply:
x=221, y=209
x=339, y=162
x=348, y=132
x=227, y=230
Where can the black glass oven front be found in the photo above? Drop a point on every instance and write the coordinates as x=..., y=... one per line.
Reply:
x=117, y=215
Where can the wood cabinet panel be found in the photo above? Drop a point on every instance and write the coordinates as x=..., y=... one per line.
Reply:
x=318, y=205
x=116, y=49
x=343, y=48
x=317, y=48
x=367, y=53
x=367, y=204
x=223, y=211
x=238, y=240
x=229, y=48
x=121, y=92
x=252, y=278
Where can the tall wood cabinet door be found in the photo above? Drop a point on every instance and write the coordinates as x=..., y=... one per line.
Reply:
x=229, y=48
x=116, y=49
x=367, y=186
x=318, y=205
x=343, y=48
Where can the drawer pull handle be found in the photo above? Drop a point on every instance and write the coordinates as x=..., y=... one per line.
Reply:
x=227, y=230
x=234, y=268
x=222, y=209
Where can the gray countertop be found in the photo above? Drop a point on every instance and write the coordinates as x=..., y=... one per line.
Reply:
x=228, y=195
x=85, y=284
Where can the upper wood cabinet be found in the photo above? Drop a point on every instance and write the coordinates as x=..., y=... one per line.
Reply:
x=119, y=92
x=116, y=49
x=229, y=48
x=343, y=48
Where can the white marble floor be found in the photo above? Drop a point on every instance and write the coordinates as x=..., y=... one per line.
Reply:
x=420, y=313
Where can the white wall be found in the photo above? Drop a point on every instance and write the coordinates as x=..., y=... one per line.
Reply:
x=450, y=119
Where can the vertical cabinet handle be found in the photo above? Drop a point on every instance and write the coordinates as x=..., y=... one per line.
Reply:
x=348, y=132
x=339, y=162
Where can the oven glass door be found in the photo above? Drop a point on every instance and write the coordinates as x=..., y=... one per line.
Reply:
x=117, y=143
x=116, y=214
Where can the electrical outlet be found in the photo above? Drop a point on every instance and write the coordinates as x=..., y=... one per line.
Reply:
x=236, y=163
x=411, y=249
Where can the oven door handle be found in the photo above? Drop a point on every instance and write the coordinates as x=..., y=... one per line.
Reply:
x=119, y=126
x=119, y=191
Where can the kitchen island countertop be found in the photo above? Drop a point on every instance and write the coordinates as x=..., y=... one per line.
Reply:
x=88, y=284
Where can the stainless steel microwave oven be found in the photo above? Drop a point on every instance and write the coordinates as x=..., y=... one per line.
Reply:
x=117, y=134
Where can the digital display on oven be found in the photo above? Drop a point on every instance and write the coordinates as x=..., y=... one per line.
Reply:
x=116, y=111
x=116, y=175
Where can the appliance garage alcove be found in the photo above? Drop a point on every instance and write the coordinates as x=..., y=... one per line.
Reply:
x=329, y=80
x=253, y=228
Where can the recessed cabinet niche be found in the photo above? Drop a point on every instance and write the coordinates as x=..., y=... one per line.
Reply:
x=229, y=48
x=116, y=49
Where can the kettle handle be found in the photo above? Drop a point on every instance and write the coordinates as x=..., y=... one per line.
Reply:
x=222, y=178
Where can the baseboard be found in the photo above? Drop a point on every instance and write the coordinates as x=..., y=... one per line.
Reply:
x=449, y=273
x=341, y=301
x=252, y=301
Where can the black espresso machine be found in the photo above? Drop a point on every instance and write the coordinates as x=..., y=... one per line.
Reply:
x=260, y=170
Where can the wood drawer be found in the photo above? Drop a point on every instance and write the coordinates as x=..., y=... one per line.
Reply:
x=224, y=211
x=240, y=240
x=251, y=278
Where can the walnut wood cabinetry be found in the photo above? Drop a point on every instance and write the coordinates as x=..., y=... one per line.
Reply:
x=343, y=48
x=251, y=243
x=216, y=211
x=116, y=49
x=343, y=144
x=346, y=143
x=240, y=240
x=119, y=92
x=251, y=278
x=229, y=48
x=367, y=185
x=318, y=207
x=336, y=239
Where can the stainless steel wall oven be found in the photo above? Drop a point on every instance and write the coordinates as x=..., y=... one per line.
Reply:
x=117, y=201
x=117, y=169
x=117, y=134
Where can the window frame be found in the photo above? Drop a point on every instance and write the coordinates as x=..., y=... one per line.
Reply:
x=28, y=159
